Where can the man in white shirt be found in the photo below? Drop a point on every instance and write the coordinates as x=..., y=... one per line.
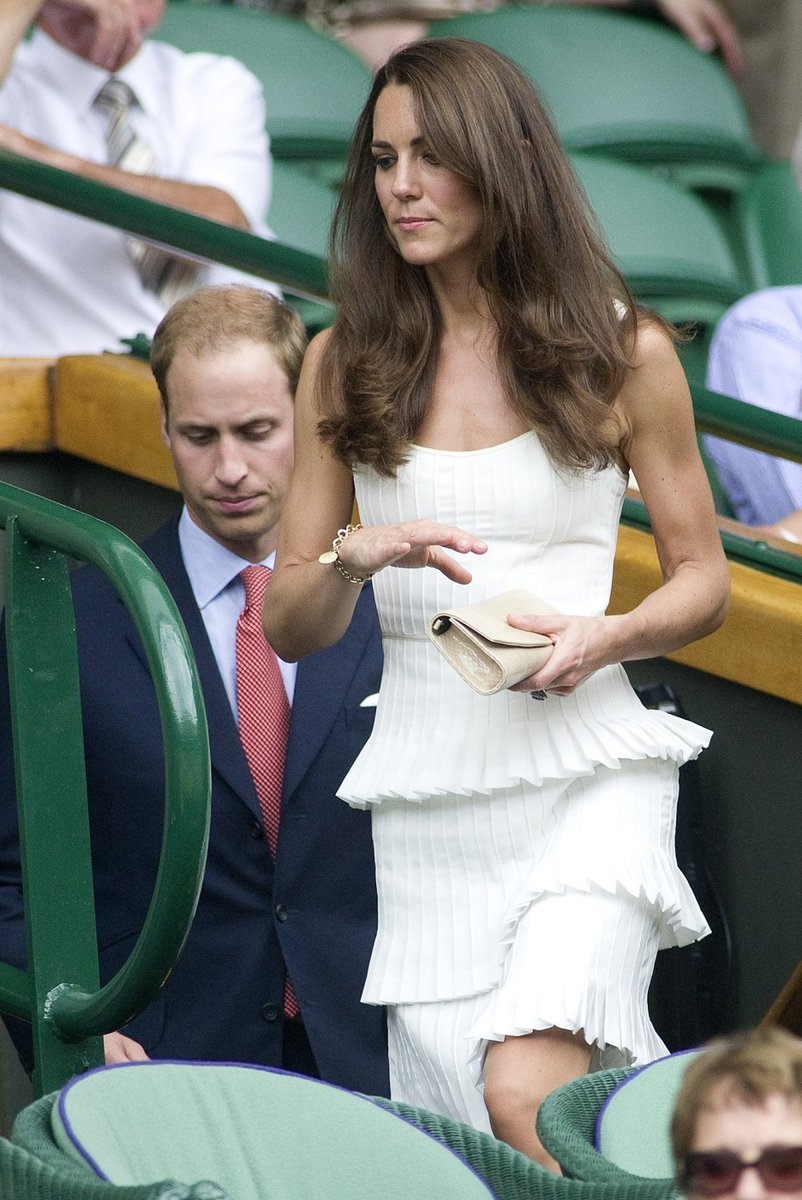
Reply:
x=70, y=285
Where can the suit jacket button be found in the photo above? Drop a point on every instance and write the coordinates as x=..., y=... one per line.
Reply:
x=281, y=912
x=256, y=831
x=270, y=1012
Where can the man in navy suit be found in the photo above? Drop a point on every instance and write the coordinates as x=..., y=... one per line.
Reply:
x=227, y=361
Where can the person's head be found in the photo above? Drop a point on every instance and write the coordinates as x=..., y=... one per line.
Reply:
x=227, y=361
x=740, y=1104
x=491, y=190
x=75, y=28
x=479, y=117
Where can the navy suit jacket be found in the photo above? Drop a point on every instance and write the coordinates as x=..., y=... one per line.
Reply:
x=312, y=912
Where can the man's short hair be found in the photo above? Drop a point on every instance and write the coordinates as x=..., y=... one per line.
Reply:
x=752, y=1066
x=212, y=319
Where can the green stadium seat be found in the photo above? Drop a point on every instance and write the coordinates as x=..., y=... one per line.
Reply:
x=236, y=1131
x=767, y=221
x=665, y=240
x=626, y=87
x=301, y=208
x=314, y=87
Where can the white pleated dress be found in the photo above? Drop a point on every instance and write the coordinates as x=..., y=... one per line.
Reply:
x=524, y=849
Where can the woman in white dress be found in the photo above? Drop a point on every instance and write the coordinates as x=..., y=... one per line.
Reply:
x=484, y=391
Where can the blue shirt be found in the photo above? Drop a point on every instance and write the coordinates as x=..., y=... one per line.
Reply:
x=220, y=595
x=756, y=356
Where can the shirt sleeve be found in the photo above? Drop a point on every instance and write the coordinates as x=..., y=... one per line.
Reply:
x=756, y=356
x=756, y=353
x=223, y=140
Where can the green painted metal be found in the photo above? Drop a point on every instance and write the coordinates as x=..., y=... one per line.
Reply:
x=762, y=430
x=743, y=549
x=54, y=827
x=60, y=992
x=299, y=272
x=747, y=423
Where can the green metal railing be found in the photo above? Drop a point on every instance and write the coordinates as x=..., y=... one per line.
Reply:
x=747, y=424
x=761, y=430
x=300, y=273
x=60, y=993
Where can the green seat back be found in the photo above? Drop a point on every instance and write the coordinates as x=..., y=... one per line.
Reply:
x=633, y=1127
x=257, y=1133
x=314, y=87
x=625, y=86
x=301, y=208
x=768, y=220
x=665, y=240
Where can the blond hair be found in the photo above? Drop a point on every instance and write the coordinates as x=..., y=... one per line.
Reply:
x=213, y=318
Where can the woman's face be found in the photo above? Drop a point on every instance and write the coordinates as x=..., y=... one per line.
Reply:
x=434, y=217
x=746, y=1131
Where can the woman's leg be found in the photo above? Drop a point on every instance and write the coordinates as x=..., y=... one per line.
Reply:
x=519, y=1074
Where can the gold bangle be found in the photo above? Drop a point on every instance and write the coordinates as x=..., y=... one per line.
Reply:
x=332, y=556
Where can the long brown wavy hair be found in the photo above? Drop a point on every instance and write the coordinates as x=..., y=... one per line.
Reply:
x=563, y=341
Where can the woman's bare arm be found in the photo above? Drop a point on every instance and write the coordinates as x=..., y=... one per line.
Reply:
x=309, y=605
x=660, y=443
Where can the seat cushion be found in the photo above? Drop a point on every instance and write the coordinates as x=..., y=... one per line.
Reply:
x=257, y=1133
x=633, y=1125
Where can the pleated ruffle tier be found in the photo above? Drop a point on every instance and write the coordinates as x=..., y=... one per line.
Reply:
x=482, y=744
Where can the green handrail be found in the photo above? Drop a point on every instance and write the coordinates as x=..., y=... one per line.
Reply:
x=748, y=424
x=301, y=273
x=742, y=548
x=60, y=990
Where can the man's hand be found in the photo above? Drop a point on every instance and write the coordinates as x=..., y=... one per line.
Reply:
x=119, y=1049
x=708, y=27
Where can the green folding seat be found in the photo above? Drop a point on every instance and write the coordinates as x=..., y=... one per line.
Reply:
x=665, y=240
x=314, y=87
x=625, y=86
x=767, y=223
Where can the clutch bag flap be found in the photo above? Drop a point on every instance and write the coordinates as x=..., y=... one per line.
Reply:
x=488, y=653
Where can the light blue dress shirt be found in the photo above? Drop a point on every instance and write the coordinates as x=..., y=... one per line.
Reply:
x=220, y=595
x=756, y=356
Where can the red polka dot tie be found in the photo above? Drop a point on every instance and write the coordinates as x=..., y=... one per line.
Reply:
x=264, y=715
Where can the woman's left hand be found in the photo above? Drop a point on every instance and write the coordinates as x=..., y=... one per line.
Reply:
x=582, y=645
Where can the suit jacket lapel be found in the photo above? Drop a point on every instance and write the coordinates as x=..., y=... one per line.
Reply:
x=321, y=685
x=227, y=755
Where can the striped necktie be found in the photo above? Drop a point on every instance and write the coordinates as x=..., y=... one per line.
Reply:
x=169, y=277
x=264, y=716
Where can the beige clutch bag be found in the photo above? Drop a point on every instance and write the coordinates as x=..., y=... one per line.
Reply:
x=488, y=653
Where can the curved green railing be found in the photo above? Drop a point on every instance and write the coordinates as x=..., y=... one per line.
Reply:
x=60, y=993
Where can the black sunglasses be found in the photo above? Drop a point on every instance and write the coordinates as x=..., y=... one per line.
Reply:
x=714, y=1172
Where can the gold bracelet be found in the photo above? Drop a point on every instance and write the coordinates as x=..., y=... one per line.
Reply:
x=333, y=556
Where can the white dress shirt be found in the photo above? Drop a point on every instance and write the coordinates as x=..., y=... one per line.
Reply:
x=756, y=356
x=67, y=284
x=220, y=595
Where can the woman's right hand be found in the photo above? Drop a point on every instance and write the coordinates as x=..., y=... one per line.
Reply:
x=409, y=544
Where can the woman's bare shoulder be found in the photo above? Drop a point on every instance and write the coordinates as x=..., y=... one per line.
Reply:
x=316, y=348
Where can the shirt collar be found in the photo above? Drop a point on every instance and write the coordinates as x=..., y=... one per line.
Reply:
x=144, y=80
x=72, y=75
x=82, y=80
x=210, y=566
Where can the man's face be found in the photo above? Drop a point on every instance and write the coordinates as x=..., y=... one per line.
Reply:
x=230, y=433
x=726, y=1123
x=107, y=34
